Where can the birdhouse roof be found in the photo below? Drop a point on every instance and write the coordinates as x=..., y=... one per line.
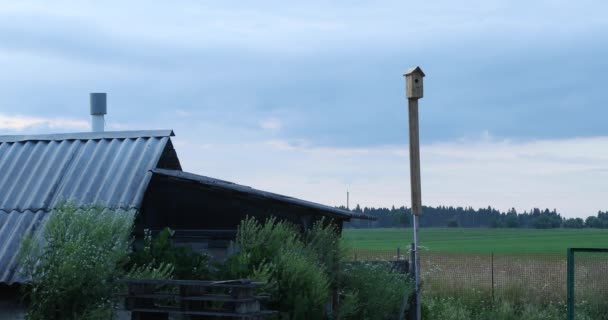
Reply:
x=415, y=69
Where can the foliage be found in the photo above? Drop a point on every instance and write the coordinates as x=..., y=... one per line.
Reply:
x=463, y=308
x=452, y=223
x=547, y=222
x=149, y=271
x=600, y=221
x=160, y=254
x=302, y=286
x=263, y=241
x=73, y=267
x=372, y=292
x=275, y=252
x=300, y=268
x=574, y=223
x=489, y=217
x=324, y=240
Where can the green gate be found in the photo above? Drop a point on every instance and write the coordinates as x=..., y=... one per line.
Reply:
x=587, y=283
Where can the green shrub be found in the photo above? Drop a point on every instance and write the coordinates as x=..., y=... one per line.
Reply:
x=301, y=269
x=323, y=240
x=160, y=251
x=73, y=267
x=302, y=286
x=163, y=271
x=276, y=253
x=372, y=292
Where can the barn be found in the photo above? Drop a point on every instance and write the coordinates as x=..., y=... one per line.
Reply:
x=127, y=170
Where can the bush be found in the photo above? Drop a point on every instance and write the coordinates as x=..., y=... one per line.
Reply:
x=372, y=292
x=301, y=269
x=160, y=252
x=73, y=267
x=276, y=253
x=323, y=240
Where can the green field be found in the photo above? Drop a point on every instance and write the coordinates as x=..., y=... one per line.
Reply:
x=457, y=240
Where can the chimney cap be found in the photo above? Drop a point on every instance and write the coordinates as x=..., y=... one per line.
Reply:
x=98, y=103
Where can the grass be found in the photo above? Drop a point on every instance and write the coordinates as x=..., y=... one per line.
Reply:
x=524, y=279
x=479, y=241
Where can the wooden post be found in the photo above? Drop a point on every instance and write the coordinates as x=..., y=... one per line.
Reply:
x=414, y=91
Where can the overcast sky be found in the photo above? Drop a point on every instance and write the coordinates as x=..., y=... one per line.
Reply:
x=308, y=99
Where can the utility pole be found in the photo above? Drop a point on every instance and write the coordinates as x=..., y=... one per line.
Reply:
x=347, y=200
x=414, y=91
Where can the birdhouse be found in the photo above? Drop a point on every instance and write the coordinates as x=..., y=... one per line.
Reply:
x=413, y=83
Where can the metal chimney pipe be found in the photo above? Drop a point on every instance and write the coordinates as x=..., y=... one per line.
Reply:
x=98, y=110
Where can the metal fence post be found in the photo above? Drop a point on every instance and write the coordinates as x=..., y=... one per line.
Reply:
x=570, y=285
x=492, y=268
x=413, y=270
x=412, y=264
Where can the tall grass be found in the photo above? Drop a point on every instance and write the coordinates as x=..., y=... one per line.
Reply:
x=466, y=308
x=522, y=284
x=474, y=306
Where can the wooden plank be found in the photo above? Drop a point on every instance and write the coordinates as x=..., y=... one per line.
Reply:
x=226, y=284
x=231, y=298
x=210, y=297
x=207, y=313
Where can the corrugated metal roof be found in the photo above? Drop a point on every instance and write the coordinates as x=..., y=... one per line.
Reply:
x=216, y=183
x=13, y=227
x=89, y=135
x=38, y=172
x=111, y=168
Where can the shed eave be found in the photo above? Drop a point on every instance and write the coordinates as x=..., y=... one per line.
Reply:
x=230, y=186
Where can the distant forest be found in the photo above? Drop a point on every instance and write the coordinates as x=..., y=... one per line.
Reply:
x=470, y=218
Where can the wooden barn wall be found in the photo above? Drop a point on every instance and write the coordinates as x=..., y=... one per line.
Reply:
x=11, y=304
x=185, y=205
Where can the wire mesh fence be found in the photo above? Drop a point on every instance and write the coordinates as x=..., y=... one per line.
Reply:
x=530, y=278
x=371, y=254
x=587, y=283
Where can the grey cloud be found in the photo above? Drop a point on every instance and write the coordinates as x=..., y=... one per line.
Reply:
x=333, y=71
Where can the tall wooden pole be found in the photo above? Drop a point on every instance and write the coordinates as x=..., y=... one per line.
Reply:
x=414, y=91
x=416, y=192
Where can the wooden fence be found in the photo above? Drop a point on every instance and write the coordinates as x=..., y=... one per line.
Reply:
x=157, y=299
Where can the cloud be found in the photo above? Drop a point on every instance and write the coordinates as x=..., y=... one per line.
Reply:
x=110, y=31
x=183, y=113
x=21, y=122
x=337, y=66
x=570, y=175
x=272, y=124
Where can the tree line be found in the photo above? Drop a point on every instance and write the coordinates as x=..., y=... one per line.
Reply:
x=444, y=216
